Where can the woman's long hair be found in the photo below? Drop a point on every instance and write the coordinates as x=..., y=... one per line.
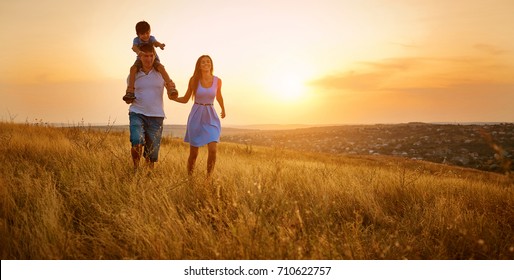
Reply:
x=195, y=79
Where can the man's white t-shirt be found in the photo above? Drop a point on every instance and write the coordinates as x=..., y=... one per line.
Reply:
x=149, y=94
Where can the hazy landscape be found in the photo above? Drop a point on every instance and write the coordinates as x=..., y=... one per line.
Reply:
x=488, y=147
x=70, y=193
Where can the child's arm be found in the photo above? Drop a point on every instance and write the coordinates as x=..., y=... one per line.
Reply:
x=136, y=49
x=159, y=44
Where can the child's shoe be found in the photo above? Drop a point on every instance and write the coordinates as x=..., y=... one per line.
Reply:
x=129, y=97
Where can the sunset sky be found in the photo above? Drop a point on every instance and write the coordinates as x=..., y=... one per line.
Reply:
x=281, y=62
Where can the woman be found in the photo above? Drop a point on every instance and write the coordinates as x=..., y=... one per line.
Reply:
x=203, y=124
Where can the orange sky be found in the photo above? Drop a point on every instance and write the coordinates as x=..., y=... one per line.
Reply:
x=302, y=62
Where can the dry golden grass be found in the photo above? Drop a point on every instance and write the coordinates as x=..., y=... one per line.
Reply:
x=71, y=194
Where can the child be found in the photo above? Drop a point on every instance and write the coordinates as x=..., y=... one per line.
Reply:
x=143, y=37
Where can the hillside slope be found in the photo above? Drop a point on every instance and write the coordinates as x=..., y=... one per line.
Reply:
x=488, y=147
x=70, y=193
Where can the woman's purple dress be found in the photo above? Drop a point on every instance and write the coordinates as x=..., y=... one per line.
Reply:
x=203, y=124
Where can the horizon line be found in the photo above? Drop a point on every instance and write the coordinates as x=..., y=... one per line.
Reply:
x=277, y=125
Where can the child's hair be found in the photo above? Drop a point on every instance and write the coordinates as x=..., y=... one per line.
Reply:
x=142, y=27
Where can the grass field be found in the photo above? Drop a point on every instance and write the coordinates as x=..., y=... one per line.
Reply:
x=70, y=193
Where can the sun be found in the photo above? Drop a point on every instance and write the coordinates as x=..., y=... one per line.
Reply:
x=286, y=81
x=287, y=88
x=290, y=87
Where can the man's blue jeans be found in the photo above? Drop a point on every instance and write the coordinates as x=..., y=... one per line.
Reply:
x=146, y=131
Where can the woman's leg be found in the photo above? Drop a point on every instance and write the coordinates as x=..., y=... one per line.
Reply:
x=193, y=154
x=211, y=158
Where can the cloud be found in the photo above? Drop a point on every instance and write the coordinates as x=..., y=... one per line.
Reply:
x=353, y=80
x=406, y=73
x=490, y=49
x=368, y=75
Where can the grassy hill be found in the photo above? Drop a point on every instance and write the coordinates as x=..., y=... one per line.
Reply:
x=70, y=193
x=488, y=147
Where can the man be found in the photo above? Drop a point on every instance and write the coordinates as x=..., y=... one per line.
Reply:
x=146, y=111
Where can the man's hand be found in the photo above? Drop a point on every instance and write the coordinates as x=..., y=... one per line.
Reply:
x=173, y=96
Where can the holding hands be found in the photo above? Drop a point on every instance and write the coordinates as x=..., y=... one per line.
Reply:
x=171, y=91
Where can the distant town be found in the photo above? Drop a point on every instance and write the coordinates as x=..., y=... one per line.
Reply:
x=488, y=147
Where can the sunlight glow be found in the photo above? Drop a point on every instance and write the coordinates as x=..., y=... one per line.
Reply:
x=288, y=81
x=316, y=62
x=290, y=88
